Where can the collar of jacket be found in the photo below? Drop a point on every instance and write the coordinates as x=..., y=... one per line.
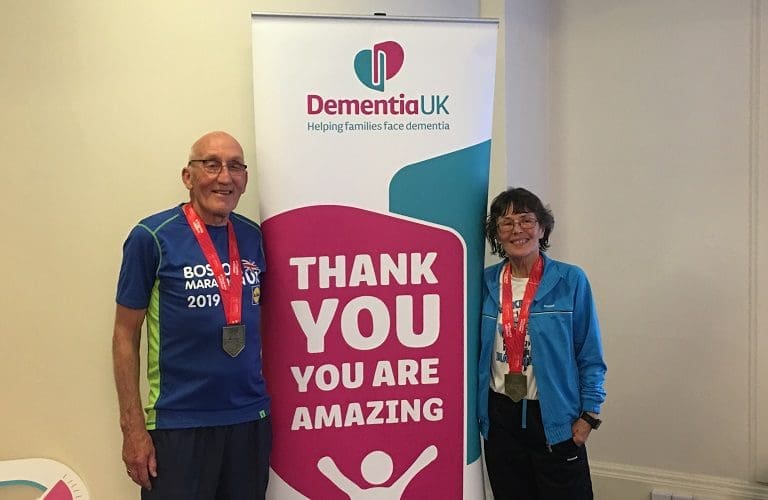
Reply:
x=549, y=278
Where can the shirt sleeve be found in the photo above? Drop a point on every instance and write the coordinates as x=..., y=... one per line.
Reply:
x=588, y=347
x=138, y=272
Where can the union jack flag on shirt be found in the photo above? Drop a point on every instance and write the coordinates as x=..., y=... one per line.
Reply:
x=249, y=265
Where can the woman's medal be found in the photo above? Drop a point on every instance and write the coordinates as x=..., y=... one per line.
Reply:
x=516, y=382
x=516, y=386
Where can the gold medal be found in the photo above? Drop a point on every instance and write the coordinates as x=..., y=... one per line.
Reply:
x=516, y=386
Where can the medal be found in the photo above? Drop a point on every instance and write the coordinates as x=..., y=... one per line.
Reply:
x=230, y=288
x=516, y=386
x=233, y=339
x=516, y=382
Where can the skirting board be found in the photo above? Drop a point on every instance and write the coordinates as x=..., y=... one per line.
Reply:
x=702, y=486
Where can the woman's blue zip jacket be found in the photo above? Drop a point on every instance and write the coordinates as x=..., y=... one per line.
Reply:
x=566, y=351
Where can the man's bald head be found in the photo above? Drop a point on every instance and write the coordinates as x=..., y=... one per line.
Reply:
x=215, y=176
x=203, y=144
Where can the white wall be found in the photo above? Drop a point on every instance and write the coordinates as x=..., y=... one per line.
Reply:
x=527, y=24
x=652, y=187
x=654, y=166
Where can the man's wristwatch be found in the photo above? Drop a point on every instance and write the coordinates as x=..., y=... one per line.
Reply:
x=592, y=421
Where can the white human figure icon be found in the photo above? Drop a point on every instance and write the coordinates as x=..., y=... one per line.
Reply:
x=376, y=468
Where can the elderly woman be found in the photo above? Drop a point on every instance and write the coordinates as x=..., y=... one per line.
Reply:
x=541, y=368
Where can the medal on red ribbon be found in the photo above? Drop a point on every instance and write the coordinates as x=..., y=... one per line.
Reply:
x=230, y=289
x=516, y=382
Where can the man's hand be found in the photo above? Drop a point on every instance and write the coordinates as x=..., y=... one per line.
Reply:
x=139, y=457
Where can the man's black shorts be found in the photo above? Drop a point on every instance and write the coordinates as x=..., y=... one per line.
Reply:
x=212, y=463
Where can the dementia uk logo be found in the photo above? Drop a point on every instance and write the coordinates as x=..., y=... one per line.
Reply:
x=374, y=67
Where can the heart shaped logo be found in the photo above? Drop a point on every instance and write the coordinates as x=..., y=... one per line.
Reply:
x=374, y=67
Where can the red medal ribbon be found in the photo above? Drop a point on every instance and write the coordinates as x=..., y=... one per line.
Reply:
x=514, y=337
x=231, y=289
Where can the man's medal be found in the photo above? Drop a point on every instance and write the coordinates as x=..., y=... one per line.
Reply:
x=233, y=339
x=516, y=382
x=230, y=289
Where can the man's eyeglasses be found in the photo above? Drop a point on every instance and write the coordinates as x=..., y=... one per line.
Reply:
x=507, y=224
x=213, y=167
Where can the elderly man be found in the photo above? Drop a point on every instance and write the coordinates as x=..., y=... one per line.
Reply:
x=194, y=272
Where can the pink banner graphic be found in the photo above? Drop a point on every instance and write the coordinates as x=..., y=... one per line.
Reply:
x=364, y=327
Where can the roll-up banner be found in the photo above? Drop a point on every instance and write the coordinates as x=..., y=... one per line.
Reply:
x=372, y=152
